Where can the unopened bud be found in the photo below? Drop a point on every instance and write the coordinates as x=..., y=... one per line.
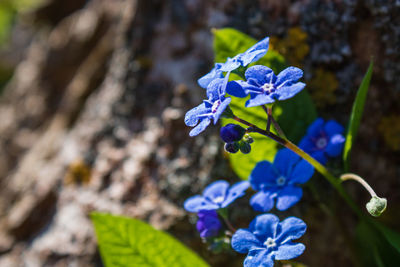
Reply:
x=376, y=206
x=248, y=139
x=232, y=132
x=245, y=147
x=231, y=147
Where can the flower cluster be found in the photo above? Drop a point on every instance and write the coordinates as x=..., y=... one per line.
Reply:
x=278, y=183
x=267, y=240
x=217, y=195
x=235, y=139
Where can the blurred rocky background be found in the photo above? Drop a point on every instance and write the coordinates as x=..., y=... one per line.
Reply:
x=93, y=95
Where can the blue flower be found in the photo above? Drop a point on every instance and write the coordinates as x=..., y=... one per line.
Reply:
x=323, y=139
x=278, y=181
x=215, y=196
x=212, y=108
x=267, y=240
x=208, y=223
x=251, y=55
x=265, y=87
x=215, y=73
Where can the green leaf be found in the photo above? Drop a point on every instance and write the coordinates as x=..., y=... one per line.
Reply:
x=356, y=114
x=377, y=245
x=129, y=242
x=391, y=236
x=293, y=115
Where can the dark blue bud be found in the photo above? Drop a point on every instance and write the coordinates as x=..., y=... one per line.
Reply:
x=232, y=147
x=232, y=132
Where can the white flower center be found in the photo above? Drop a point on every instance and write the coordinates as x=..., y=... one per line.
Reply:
x=268, y=88
x=321, y=143
x=281, y=181
x=215, y=106
x=270, y=243
x=219, y=200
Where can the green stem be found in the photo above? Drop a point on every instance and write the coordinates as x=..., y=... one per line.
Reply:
x=335, y=182
x=268, y=110
x=352, y=176
x=224, y=214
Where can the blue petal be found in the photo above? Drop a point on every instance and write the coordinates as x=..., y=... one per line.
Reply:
x=200, y=127
x=216, y=191
x=191, y=118
x=198, y=203
x=235, y=88
x=258, y=258
x=335, y=145
x=251, y=87
x=230, y=65
x=289, y=196
x=259, y=100
x=209, y=77
x=302, y=172
x=319, y=156
x=287, y=92
x=255, y=52
x=207, y=213
x=290, y=229
x=284, y=161
x=221, y=109
x=307, y=144
x=315, y=128
x=262, y=201
x=261, y=175
x=260, y=73
x=237, y=190
x=289, y=251
x=208, y=224
x=251, y=57
x=289, y=75
x=243, y=241
x=260, y=45
x=332, y=127
x=213, y=89
x=264, y=226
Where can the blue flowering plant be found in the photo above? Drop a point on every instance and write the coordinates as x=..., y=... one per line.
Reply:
x=267, y=239
x=249, y=98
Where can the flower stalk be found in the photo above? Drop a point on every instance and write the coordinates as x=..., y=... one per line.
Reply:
x=335, y=182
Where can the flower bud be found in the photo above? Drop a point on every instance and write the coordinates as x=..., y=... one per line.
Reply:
x=244, y=147
x=248, y=139
x=232, y=147
x=376, y=206
x=232, y=132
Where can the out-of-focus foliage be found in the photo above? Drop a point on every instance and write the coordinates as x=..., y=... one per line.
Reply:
x=128, y=242
x=8, y=11
x=382, y=244
x=293, y=115
x=78, y=173
x=322, y=87
x=356, y=115
x=389, y=128
x=293, y=47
